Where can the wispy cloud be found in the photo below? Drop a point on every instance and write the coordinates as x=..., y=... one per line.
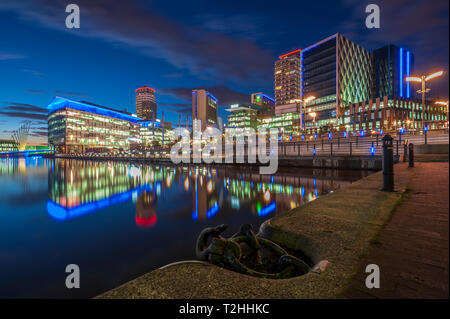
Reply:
x=9, y=56
x=205, y=52
x=34, y=72
x=23, y=110
x=74, y=94
x=180, y=108
x=34, y=91
x=225, y=94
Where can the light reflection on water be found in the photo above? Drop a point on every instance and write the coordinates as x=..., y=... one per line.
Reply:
x=119, y=220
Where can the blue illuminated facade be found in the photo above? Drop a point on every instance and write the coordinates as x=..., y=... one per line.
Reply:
x=392, y=65
x=80, y=127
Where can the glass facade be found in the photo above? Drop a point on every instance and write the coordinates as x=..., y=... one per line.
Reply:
x=8, y=146
x=243, y=116
x=392, y=64
x=286, y=123
x=392, y=114
x=79, y=127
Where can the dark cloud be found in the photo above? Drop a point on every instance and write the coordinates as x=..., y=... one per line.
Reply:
x=73, y=94
x=34, y=91
x=225, y=94
x=32, y=116
x=23, y=110
x=14, y=106
x=419, y=25
x=180, y=108
x=205, y=53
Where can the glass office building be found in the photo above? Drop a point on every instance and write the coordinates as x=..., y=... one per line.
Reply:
x=391, y=114
x=337, y=72
x=242, y=116
x=392, y=64
x=8, y=146
x=79, y=127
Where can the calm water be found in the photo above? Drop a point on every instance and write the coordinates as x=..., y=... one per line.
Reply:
x=118, y=221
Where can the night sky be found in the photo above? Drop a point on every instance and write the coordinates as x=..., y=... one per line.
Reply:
x=227, y=47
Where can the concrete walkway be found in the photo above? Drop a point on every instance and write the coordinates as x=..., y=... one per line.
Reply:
x=337, y=227
x=412, y=252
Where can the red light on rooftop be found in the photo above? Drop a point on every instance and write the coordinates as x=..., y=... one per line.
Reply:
x=145, y=87
x=290, y=53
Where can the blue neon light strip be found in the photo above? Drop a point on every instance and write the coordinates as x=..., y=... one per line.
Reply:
x=195, y=103
x=212, y=211
x=318, y=43
x=61, y=213
x=408, y=66
x=61, y=103
x=401, y=72
x=212, y=96
x=25, y=152
x=267, y=97
x=268, y=209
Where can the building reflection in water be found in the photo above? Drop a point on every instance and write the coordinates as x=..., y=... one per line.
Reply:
x=146, y=209
x=80, y=187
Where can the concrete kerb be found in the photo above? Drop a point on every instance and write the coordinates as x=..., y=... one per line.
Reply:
x=334, y=231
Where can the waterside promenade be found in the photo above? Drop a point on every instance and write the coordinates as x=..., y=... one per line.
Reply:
x=412, y=251
x=342, y=228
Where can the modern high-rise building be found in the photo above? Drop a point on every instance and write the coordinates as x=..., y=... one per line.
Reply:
x=287, y=77
x=337, y=72
x=392, y=64
x=266, y=104
x=204, y=108
x=145, y=103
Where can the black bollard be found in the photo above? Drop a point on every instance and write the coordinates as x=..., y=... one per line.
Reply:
x=411, y=155
x=388, y=164
x=405, y=151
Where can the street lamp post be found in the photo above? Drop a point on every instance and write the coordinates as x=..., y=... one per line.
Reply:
x=423, y=79
x=313, y=115
x=303, y=103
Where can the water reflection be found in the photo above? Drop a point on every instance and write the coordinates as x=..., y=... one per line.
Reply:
x=80, y=187
x=57, y=212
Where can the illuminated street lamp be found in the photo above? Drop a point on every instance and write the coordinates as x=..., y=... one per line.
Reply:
x=313, y=115
x=303, y=106
x=423, y=79
x=445, y=103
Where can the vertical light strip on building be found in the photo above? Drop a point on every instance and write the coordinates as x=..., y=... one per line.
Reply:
x=401, y=72
x=408, y=66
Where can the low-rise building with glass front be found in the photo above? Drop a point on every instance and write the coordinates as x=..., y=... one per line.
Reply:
x=79, y=127
x=286, y=123
x=391, y=114
x=243, y=116
x=8, y=146
x=161, y=134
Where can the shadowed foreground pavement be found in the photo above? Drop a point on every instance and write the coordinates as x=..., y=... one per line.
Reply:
x=340, y=228
x=412, y=251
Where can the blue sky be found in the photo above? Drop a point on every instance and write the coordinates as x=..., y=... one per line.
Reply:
x=174, y=46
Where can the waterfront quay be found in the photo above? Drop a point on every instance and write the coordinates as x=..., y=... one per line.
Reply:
x=363, y=153
x=341, y=233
